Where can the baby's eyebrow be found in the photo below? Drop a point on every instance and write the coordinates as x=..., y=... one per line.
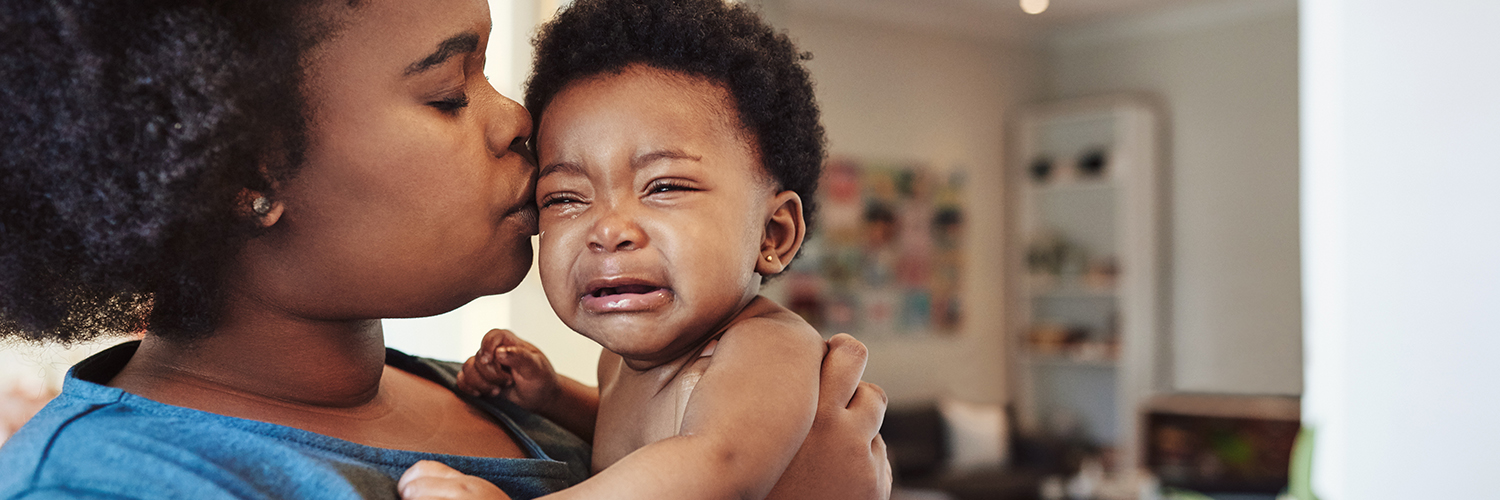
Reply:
x=637, y=163
x=562, y=167
x=660, y=154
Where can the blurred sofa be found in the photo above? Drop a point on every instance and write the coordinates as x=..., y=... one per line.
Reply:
x=946, y=447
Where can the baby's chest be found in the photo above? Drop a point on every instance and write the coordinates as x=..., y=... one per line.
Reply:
x=635, y=413
x=627, y=426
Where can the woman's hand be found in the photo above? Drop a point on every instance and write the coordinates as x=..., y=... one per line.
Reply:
x=843, y=456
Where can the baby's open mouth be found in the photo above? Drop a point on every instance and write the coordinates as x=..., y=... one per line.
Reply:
x=622, y=290
x=623, y=296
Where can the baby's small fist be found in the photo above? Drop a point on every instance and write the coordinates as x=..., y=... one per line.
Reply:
x=429, y=480
x=506, y=364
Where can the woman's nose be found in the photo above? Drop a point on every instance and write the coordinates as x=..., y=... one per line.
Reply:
x=507, y=125
x=616, y=231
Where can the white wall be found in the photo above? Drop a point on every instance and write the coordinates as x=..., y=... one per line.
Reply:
x=1226, y=75
x=893, y=95
x=1401, y=225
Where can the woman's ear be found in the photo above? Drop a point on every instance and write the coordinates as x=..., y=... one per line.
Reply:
x=785, y=229
x=259, y=207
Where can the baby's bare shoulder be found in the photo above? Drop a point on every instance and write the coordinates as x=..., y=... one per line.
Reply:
x=765, y=321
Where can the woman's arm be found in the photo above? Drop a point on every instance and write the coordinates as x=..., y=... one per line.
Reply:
x=843, y=457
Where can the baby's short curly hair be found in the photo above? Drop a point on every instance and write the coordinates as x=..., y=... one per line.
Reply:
x=127, y=130
x=728, y=44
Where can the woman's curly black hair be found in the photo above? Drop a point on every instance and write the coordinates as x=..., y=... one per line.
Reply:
x=128, y=128
x=727, y=44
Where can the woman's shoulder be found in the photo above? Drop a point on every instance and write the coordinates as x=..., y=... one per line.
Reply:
x=98, y=441
x=91, y=442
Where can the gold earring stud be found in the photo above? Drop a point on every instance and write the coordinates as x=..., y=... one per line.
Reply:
x=768, y=258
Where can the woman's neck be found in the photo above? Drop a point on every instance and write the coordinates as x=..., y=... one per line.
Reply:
x=321, y=377
x=274, y=365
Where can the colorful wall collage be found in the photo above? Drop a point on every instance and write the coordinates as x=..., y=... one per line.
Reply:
x=885, y=255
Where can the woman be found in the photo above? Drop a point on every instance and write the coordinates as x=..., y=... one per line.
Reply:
x=255, y=184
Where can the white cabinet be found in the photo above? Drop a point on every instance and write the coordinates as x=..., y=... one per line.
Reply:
x=1085, y=270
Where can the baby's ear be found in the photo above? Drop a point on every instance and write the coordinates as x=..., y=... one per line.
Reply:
x=785, y=229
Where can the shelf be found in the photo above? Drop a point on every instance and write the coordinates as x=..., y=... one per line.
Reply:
x=1048, y=287
x=1075, y=307
x=1070, y=361
x=1085, y=354
x=1074, y=294
x=1102, y=185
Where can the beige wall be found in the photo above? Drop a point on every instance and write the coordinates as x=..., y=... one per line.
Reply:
x=1229, y=88
x=1228, y=78
x=893, y=95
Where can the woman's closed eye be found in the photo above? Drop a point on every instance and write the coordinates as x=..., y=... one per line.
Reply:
x=451, y=104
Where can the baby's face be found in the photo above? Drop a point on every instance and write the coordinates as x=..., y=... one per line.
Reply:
x=653, y=210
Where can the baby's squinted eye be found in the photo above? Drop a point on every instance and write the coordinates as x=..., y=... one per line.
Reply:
x=555, y=199
x=668, y=186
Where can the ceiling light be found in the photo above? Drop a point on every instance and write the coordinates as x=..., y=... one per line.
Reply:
x=1034, y=6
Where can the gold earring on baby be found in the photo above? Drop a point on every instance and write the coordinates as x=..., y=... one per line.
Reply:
x=768, y=258
x=261, y=206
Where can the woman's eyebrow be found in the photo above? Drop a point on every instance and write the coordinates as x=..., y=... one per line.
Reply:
x=462, y=43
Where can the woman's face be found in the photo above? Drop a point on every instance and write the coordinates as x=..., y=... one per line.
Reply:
x=416, y=195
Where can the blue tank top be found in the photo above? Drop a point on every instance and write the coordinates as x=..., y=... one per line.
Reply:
x=95, y=441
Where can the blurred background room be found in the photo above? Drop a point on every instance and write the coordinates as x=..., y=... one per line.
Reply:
x=1102, y=249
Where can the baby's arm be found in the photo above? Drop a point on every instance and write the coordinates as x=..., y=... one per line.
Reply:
x=746, y=418
x=507, y=365
x=840, y=461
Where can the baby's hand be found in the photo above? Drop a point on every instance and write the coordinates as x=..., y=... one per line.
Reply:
x=429, y=480
x=508, y=365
